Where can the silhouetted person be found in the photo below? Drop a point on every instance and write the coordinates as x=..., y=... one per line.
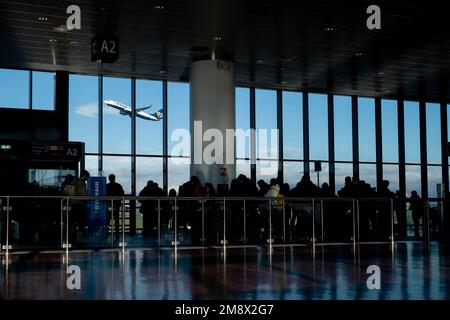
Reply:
x=79, y=207
x=367, y=209
x=285, y=189
x=149, y=209
x=263, y=188
x=383, y=219
x=333, y=219
x=400, y=210
x=302, y=217
x=326, y=191
x=416, y=206
x=114, y=189
x=172, y=193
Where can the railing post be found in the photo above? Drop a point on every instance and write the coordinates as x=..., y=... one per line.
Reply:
x=426, y=223
x=354, y=221
x=159, y=222
x=245, y=223
x=392, y=222
x=270, y=225
x=7, y=246
x=112, y=223
x=357, y=220
x=67, y=244
x=203, y=221
x=224, y=226
x=313, y=225
x=62, y=223
x=284, y=221
x=321, y=221
x=175, y=227
x=123, y=244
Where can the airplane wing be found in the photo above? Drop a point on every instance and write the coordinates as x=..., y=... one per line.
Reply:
x=145, y=108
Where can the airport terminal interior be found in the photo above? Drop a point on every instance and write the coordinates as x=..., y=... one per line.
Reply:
x=207, y=149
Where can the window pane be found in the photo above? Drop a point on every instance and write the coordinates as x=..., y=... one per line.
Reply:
x=434, y=181
x=266, y=121
x=178, y=114
x=368, y=173
x=293, y=172
x=179, y=172
x=91, y=165
x=43, y=90
x=389, y=130
x=343, y=128
x=83, y=111
x=242, y=122
x=243, y=167
x=413, y=180
x=292, y=125
x=434, y=152
x=412, y=132
x=149, y=134
x=318, y=127
x=121, y=167
x=341, y=171
x=14, y=88
x=391, y=174
x=266, y=170
x=148, y=169
x=116, y=126
x=366, y=129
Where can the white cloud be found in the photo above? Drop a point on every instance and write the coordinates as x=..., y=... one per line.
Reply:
x=89, y=110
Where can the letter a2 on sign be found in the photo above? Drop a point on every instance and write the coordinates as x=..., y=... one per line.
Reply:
x=105, y=48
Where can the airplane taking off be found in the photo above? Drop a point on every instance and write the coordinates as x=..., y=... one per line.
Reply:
x=126, y=111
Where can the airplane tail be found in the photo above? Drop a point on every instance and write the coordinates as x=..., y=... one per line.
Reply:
x=158, y=114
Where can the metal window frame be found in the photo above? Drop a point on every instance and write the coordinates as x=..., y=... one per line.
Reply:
x=355, y=136
x=280, y=134
x=423, y=148
x=331, y=146
x=253, y=129
x=305, y=100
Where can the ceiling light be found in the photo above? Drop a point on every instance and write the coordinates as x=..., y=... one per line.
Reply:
x=42, y=18
x=217, y=38
x=358, y=54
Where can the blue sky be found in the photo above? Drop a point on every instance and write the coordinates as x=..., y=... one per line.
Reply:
x=83, y=126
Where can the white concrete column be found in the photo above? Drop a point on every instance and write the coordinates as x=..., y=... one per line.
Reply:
x=212, y=112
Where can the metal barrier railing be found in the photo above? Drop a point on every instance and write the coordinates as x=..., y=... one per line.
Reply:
x=28, y=222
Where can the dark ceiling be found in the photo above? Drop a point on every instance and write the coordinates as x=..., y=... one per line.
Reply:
x=310, y=45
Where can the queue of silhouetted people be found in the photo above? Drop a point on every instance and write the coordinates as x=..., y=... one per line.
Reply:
x=291, y=218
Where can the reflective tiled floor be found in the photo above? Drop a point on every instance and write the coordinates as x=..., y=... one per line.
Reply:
x=409, y=272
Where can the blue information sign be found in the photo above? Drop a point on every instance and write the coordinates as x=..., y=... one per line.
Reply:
x=97, y=209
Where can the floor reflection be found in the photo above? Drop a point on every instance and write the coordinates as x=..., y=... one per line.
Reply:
x=410, y=271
